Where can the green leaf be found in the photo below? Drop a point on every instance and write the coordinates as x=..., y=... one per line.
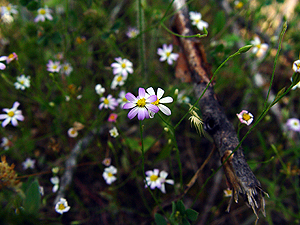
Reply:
x=295, y=78
x=56, y=38
x=32, y=200
x=159, y=219
x=191, y=214
x=180, y=207
x=185, y=221
x=279, y=94
x=24, y=2
x=33, y=6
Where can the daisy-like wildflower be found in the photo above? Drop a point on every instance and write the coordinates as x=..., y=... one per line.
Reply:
x=55, y=182
x=112, y=117
x=245, y=117
x=238, y=4
x=296, y=66
x=162, y=176
x=152, y=179
x=62, y=206
x=122, y=99
x=72, y=132
x=108, y=174
x=227, y=192
x=6, y=143
x=22, y=82
x=11, y=57
x=13, y=115
x=182, y=98
x=293, y=124
x=66, y=68
x=119, y=80
x=114, y=132
x=166, y=54
x=28, y=163
x=7, y=18
x=122, y=66
x=53, y=66
x=55, y=170
x=132, y=32
x=196, y=17
x=99, y=89
x=164, y=109
x=106, y=161
x=259, y=48
x=108, y=102
x=9, y=9
x=140, y=105
x=43, y=14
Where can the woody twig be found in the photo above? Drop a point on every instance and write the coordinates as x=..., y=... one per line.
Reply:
x=239, y=175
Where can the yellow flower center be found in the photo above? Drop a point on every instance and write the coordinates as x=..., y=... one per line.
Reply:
x=11, y=113
x=106, y=101
x=61, y=207
x=66, y=67
x=42, y=11
x=123, y=65
x=119, y=78
x=258, y=46
x=141, y=102
x=168, y=54
x=11, y=56
x=156, y=102
x=54, y=67
x=239, y=5
x=8, y=8
x=298, y=66
x=246, y=117
x=197, y=20
x=153, y=177
x=73, y=131
x=124, y=99
x=109, y=174
x=296, y=124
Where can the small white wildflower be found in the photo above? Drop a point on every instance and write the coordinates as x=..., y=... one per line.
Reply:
x=108, y=174
x=62, y=206
x=22, y=82
x=114, y=132
x=28, y=163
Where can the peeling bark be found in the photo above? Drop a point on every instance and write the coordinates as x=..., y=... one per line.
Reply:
x=238, y=173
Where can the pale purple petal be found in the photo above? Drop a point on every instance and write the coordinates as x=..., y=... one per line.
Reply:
x=152, y=108
x=160, y=51
x=3, y=116
x=142, y=113
x=19, y=117
x=117, y=70
x=165, y=110
x=149, y=173
x=129, y=105
x=6, y=121
x=2, y=66
x=142, y=93
x=130, y=97
x=14, y=122
x=3, y=58
x=16, y=105
x=132, y=113
x=151, y=98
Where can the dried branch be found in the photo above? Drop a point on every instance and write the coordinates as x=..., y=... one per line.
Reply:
x=71, y=163
x=239, y=175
